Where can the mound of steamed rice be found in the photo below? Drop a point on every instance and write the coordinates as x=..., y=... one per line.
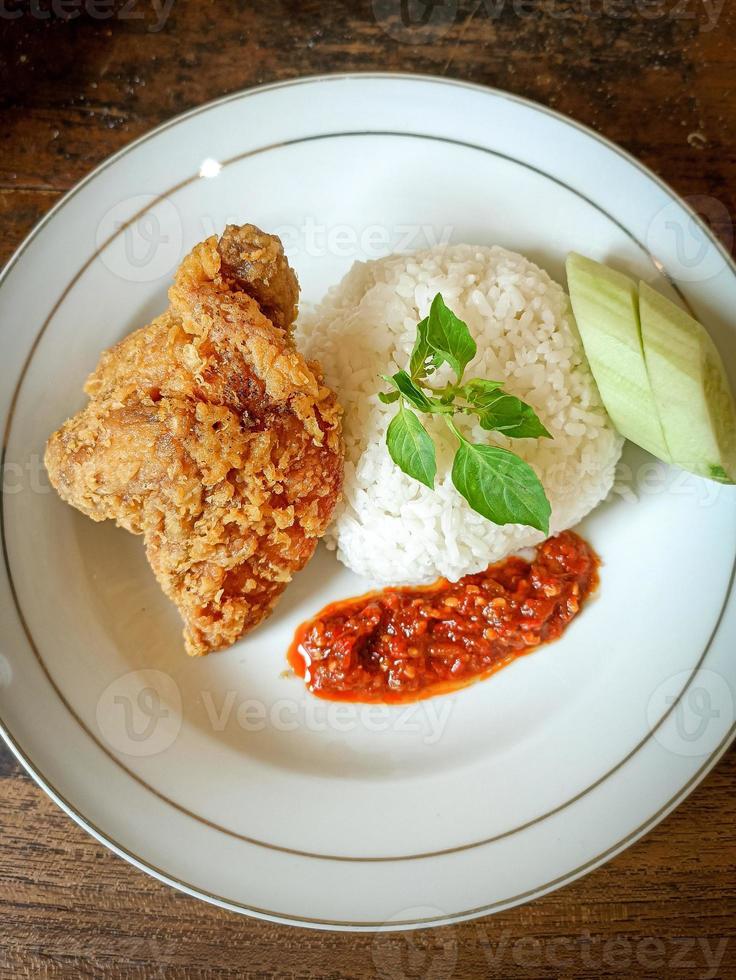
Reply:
x=389, y=527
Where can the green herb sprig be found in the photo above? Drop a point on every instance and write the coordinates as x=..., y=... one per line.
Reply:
x=494, y=481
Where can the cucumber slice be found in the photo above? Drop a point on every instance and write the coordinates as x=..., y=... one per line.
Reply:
x=606, y=308
x=690, y=387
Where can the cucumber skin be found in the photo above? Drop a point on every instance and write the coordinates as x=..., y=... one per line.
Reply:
x=685, y=367
x=600, y=295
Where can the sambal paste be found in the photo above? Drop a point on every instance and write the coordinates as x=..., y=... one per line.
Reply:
x=404, y=644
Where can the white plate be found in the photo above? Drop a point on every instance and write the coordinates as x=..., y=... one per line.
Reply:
x=229, y=781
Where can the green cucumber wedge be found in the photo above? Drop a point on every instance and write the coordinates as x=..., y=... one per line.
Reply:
x=690, y=387
x=606, y=308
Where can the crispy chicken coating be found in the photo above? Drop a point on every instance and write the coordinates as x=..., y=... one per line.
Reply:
x=209, y=434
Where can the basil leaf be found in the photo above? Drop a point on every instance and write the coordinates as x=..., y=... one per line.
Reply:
x=477, y=389
x=500, y=486
x=510, y=416
x=411, y=448
x=389, y=397
x=449, y=337
x=423, y=360
x=413, y=394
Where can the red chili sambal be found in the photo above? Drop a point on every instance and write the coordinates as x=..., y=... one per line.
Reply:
x=405, y=644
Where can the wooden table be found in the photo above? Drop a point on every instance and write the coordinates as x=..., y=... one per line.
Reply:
x=657, y=76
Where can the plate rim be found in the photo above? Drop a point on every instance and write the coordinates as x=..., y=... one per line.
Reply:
x=85, y=823
x=327, y=925
x=344, y=76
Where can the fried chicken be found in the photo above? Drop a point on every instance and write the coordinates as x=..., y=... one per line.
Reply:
x=209, y=434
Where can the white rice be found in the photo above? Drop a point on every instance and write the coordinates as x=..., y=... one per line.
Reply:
x=389, y=527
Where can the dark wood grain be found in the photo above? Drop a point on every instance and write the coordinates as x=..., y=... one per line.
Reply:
x=660, y=79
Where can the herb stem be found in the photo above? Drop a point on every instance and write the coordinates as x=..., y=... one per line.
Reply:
x=495, y=482
x=455, y=431
x=446, y=392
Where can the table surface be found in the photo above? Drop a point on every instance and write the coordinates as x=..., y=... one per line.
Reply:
x=658, y=77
